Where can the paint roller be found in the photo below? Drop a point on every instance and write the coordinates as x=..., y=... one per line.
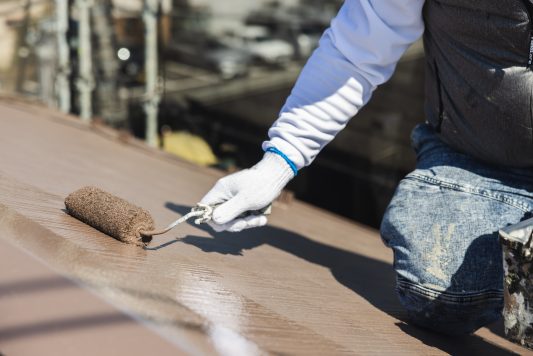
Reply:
x=125, y=221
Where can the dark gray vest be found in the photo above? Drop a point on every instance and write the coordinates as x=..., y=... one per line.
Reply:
x=479, y=83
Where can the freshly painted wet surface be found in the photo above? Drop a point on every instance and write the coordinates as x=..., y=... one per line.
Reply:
x=309, y=283
x=43, y=313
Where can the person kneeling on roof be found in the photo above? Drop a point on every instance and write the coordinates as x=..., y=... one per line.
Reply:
x=474, y=170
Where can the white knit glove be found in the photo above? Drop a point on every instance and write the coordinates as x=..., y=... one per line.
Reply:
x=248, y=190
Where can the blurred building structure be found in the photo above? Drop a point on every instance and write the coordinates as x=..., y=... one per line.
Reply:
x=18, y=36
x=213, y=73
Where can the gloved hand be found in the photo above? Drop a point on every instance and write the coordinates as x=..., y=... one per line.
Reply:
x=247, y=190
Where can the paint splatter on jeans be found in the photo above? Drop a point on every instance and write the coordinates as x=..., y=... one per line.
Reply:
x=442, y=225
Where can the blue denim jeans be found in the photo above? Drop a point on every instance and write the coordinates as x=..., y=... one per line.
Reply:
x=442, y=225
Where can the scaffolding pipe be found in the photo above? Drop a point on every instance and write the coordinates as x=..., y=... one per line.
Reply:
x=108, y=103
x=85, y=83
x=152, y=95
x=23, y=52
x=63, y=75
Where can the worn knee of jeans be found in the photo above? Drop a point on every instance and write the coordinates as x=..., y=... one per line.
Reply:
x=445, y=312
x=456, y=305
x=442, y=226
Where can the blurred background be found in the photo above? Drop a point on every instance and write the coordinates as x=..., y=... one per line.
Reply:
x=204, y=80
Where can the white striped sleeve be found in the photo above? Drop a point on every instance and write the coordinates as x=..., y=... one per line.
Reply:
x=356, y=54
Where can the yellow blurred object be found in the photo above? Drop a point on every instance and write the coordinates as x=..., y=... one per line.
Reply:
x=189, y=147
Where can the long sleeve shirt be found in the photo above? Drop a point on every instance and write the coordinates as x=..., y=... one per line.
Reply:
x=358, y=52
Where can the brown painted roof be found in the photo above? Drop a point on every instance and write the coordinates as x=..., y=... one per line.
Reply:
x=309, y=283
x=44, y=313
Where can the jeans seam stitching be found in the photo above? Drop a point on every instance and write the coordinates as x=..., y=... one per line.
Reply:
x=457, y=187
x=429, y=290
x=402, y=280
x=451, y=297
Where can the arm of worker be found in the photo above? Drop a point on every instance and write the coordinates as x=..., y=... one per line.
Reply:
x=356, y=54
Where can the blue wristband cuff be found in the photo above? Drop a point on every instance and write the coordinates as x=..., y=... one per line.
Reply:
x=289, y=162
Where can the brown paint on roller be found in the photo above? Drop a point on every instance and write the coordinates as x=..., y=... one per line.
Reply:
x=110, y=214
